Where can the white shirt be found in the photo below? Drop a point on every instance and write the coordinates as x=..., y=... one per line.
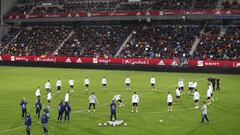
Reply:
x=37, y=93
x=178, y=93
x=58, y=83
x=127, y=80
x=47, y=85
x=209, y=92
x=67, y=97
x=191, y=85
x=49, y=96
x=135, y=98
x=152, y=80
x=180, y=83
x=71, y=82
x=196, y=95
x=204, y=109
x=86, y=81
x=195, y=85
x=210, y=87
x=117, y=97
x=92, y=99
x=169, y=98
x=104, y=81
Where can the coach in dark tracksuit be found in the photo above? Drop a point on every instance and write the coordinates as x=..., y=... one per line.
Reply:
x=23, y=105
x=28, y=123
x=38, y=106
x=67, y=109
x=113, y=110
x=60, y=111
x=218, y=84
x=44, y=123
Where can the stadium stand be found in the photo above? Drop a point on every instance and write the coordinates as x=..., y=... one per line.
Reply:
x=215, y=45
x=126, y=41
x=111, y=5
x=95, y=41
x=147, y=41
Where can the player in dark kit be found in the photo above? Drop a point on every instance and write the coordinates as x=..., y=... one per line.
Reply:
x=44, y=123
x=113, y=109
x=213, y=81
x=46, y=111
x=67, y=109
x=60, y=111
x=38, y=106
x=23, y=105
x=218, y=84
x=28, y=123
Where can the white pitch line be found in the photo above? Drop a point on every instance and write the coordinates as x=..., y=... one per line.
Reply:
x=11, y=129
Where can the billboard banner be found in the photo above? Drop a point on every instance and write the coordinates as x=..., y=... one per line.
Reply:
x=122, y=61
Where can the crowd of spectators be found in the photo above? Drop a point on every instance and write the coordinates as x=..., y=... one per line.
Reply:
x=95, y=41
x=73, y=6
x=231, y=5
x=147, y=41
x=213, y=45
x=37, y=41
x=161, y=41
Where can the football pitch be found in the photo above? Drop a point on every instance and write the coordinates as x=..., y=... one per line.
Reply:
x=18, y=82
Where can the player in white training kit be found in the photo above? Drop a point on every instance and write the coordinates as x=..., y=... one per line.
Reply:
x=194, y=84
x=49, y=97
x=196, y=97
x=86, y=83
x=118, y=99
x=169, y=101
x=66, y=100
x=71, y=84
x=210, y=86
x=181, y=85
x=47, y=85
x=153, y=83
x=128, y=83
x=191, y=87
x=58, y=85
x=178, y=94
x=38, y=93
x=104, y=83
x=209, y=94
x=135, y=102
x=92, y=102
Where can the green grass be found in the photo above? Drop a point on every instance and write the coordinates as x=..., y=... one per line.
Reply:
x=18, y=82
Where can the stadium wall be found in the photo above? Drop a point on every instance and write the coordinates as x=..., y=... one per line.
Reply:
x=125, y=67
x=163, y=65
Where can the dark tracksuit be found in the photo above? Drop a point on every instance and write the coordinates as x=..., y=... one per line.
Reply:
x=38, y=106
x=218, y=84
x=23, y=105
x=60, y=111
x=113, y=110
x=67, y=109
x=46, y=112
x=44, y=122
x=28, y=123
x=214, y=83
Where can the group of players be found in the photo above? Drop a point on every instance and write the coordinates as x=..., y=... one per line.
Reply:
x=65, y=108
